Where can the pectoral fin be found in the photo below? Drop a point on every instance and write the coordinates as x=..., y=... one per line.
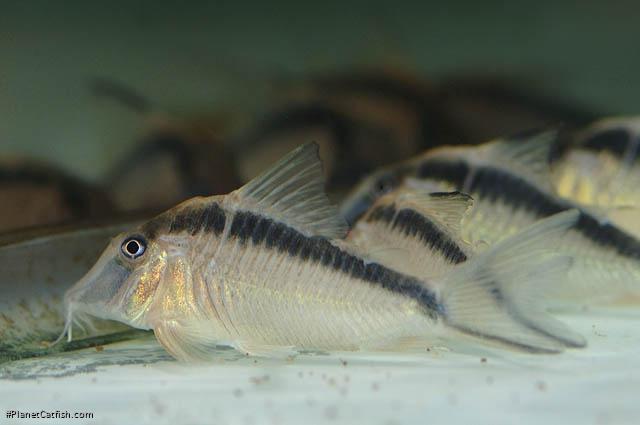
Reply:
x=185, y=343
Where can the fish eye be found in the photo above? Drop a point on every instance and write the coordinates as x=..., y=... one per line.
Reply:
x=133, y=247
x=384, y=184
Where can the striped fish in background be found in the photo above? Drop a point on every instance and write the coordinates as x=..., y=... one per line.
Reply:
x=416, y=232
x=599, y=167
x=509, y=182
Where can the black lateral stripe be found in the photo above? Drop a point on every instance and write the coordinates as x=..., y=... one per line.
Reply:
x=493, y=184
x=430, y=234
x=243, y=225
x=214, y=219
x=290, y=241
x=306, y=248
x=207, y=218
x=237, y=224
x=373, y=273
x=414, y=224
x=454, y=172
x=347, y=264
x=338, y=261
x=616, y=141
x=261, y=230
x=497, y=185
x=248, y=227
x=186, y=220
x=327, y=257
x=154, y=226
x=358, y=269
x=609, y=235
x=273, y=235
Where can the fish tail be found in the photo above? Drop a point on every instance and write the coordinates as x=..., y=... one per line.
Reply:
x=500, y=294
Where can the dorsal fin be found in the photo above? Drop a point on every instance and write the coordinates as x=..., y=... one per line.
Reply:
x=292, y=191
x=447, y=209
x=525, y=154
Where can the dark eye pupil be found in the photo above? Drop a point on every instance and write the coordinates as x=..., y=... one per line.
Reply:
x=384, y=186
x=133, y=247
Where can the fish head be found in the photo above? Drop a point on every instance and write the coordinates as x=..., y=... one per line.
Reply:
x=370, y=189
x=122, y=283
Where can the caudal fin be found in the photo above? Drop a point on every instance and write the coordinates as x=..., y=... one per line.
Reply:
x=500, y=294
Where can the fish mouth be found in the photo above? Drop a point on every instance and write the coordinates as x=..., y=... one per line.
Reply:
x=97, y=294
x=78, y=318
x=71, y=298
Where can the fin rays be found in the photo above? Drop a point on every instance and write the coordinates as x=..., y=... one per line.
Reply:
x=500, y=293
x=292, y=191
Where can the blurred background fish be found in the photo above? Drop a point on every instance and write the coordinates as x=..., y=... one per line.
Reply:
x=415, y=231
x=597, y=166
x=174, y=159
x=510, y=183
x=120, y=110
x=34, y=193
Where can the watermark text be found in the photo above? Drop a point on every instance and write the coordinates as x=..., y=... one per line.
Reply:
x=48, y=414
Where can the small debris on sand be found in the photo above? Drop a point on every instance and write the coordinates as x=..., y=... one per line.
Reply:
x=257, y=380
x=331, y=412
